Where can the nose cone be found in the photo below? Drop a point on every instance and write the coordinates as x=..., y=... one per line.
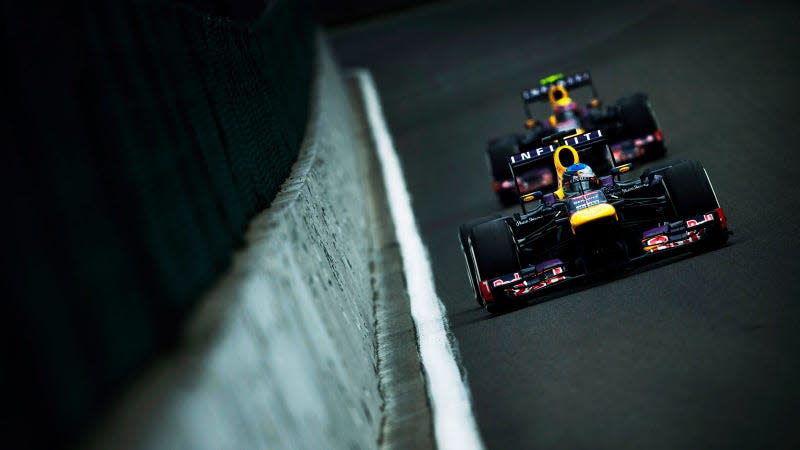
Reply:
x=590, y=214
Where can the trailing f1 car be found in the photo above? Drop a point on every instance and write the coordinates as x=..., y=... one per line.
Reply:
x=585, y=225
x=629, y=126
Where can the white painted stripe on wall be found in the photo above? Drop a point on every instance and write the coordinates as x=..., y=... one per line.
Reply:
x=453, y=421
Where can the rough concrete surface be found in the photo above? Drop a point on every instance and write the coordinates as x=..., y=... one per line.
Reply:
x=407, y=421
x=282, y=353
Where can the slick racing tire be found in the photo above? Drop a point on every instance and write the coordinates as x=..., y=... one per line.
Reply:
x=637, y=115
x=690, y=191
x=494, y=252
x=464, y=232
x=499, y=150
x=638, y=119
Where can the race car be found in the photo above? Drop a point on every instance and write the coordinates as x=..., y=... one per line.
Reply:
x=583, y=226
x=630, y=126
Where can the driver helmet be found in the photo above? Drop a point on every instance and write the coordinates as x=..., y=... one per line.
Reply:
x=560, y=100
x=564, y=109
x=578, y=179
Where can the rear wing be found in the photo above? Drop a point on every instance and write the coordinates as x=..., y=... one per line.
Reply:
x=535, y=170
x=573, y=81
x=579, y=142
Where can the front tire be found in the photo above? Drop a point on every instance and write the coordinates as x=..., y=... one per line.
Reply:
x=464, y=233
x=494, y=252
x=690, y=191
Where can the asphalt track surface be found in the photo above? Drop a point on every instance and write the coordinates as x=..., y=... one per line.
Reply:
x=695, y=352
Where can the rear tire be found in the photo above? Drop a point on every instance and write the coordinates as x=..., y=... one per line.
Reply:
x=639, y=120
x=494, y=252
x=637, y=115
x=499, y=150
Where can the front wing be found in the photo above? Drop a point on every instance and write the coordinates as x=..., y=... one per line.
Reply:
x=669, y=238
x=527, y=282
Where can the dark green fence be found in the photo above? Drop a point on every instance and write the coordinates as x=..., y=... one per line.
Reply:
x=140, y=138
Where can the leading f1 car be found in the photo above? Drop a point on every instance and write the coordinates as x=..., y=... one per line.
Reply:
x=582, y=225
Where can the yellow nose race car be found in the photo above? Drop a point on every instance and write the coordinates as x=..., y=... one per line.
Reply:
x=629, y=126
x=583, y=225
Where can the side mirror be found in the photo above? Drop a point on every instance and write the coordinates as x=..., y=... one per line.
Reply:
x=617, y=171
x=533, y=196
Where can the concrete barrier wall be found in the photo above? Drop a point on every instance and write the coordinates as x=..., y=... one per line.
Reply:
x=281, y=353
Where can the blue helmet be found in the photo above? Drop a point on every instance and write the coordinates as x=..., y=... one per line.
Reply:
x=579, y=178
